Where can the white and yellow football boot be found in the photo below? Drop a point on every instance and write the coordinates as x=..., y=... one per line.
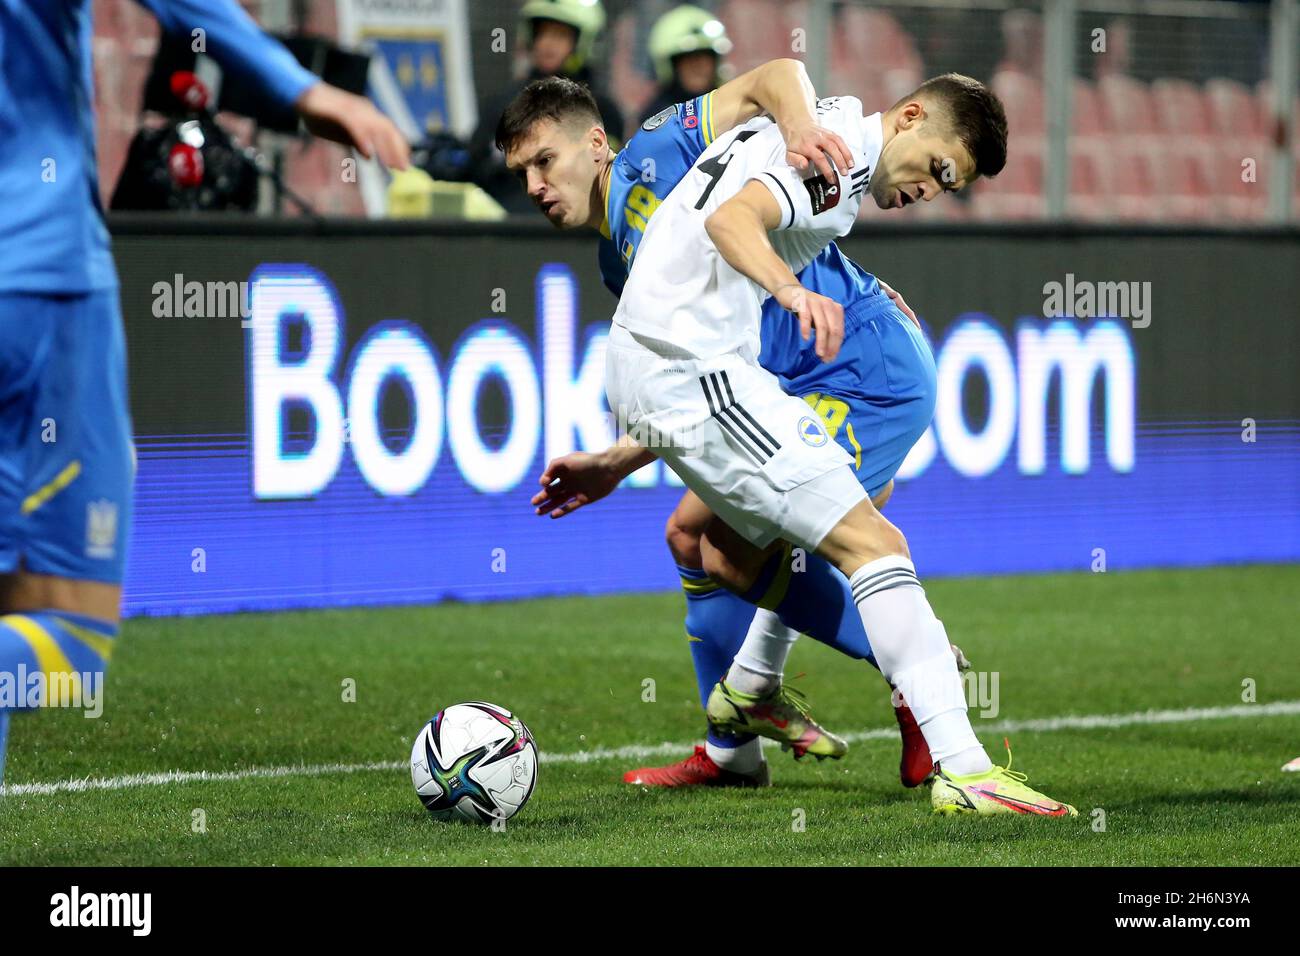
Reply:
x=782, y=715
x=997, y=791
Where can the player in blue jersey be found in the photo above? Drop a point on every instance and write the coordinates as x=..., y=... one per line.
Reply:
x=876, y=398
x=66, y=455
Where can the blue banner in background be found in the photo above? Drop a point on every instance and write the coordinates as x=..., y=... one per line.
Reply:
x=321, y=502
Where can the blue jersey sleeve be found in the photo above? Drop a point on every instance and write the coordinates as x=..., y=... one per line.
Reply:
x=237, y=43
x=676, y=135
x=694, y=126
x=644, y=173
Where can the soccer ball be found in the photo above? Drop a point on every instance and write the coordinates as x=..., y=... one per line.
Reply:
x=474, y=761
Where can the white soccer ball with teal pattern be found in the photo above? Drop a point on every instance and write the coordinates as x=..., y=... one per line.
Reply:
x=474, y=761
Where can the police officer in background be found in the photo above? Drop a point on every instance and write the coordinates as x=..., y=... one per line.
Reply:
x=687, y=45
x=560, y=35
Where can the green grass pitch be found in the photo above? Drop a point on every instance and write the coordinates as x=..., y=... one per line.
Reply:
x=255, y=692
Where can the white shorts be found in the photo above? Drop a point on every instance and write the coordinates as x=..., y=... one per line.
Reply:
x=759, y=458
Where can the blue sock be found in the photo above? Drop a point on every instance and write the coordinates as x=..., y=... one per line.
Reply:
x=716, y=624
x=36, y=643
x=815, y=601
x=46, y=642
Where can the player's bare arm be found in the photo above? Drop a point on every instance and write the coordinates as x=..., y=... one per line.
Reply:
x=739, y=229
x=580, y=478
x=352, y=120
x=782, y=88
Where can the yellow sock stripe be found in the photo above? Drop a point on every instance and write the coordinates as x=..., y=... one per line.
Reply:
x=857, y=449
x=780, y=584
x=50, y=658
x=61, y=481
x=692, y=638
x=699, y=586
x=101, y=645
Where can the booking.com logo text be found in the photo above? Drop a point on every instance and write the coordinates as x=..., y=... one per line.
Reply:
x=557, y=402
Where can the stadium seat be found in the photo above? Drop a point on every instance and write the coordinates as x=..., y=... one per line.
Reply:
x=1233, y=111
x=1238, y=198
x=1130, y=177
x=1086, y=115
x=1023, y=97
x=1184, y=172
x=1016, y=192
x=1180, y=109
x=1022, y=43
x=752, y=26
x=1127, y=105
x=1088, y=199
x=876, y=38
x=871, y=53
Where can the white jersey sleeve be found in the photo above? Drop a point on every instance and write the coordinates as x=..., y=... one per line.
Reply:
x=680, y=293
x=814, y=209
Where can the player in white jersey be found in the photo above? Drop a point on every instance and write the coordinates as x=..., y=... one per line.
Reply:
x=682, y=373
x=736, y=431
x=681, y=293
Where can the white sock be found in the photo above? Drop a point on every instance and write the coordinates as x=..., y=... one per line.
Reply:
x=760, y=662
x=746, y=758
x=912, y=650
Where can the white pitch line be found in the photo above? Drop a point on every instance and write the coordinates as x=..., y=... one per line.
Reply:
x=642, y=751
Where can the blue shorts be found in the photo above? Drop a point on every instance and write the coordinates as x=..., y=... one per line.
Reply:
x=877, y=397
x=67, y=461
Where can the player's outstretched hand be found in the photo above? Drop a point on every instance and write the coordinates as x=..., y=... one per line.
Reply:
x=819, y=146
x=898, y=301
x=353, y=120
x=572, y=481
x=819, y=316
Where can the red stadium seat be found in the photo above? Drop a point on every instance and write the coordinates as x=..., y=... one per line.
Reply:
x=757, y=29
x=1131, y=178
x=1180, y=108
x=875, y=39
x=1016, y=192
x=873, y=58
x=1127, y=105
x=899, y=82
x=1022, y=95
x=1183, y=170
x=1233, y=111
x=1239, y=181
x=1088, y=197
x=1086, y=117
x=1022, y=43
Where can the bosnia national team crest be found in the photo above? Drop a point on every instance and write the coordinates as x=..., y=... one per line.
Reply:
x=812, y=432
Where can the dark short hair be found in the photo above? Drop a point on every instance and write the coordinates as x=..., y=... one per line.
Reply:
x=974, y=112
x=555, y=98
